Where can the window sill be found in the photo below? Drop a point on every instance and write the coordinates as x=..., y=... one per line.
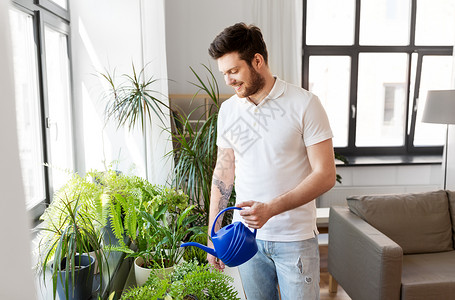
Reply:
x=391, y=160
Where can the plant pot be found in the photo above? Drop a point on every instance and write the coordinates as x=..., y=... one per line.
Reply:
x=83, y=279
x=142, y=274
x=94, y=254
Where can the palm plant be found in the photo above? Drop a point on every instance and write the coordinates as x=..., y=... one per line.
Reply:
x=195, y=148
x=133, y=101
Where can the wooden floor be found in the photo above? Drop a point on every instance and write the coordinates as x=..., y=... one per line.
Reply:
x=324, y=283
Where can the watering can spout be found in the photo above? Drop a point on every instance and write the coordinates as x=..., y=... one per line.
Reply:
x=205, y=248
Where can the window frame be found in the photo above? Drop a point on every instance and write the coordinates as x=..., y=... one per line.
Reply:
x=45, y=14
x=353, y=52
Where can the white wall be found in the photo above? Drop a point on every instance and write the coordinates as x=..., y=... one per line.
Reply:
x=451, y=144
x=190, y=28
x=451, y=159
x=367, y=180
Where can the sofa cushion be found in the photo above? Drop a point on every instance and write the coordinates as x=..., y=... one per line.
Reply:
x=451, y=195
x=428, y=276
x=419, y=223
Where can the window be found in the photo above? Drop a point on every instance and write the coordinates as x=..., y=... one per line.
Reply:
x=43, y=98
x=372, y=63
x=28, y=106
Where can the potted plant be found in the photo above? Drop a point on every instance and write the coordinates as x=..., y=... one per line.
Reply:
x=134, y=204
x=132, y=101
x=67, y=235
x=130, y=195
x=189, y=280
x=168, y=231
x=195, y=150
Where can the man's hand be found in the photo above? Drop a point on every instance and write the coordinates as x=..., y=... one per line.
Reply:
x=215, y=262
x=256, y=214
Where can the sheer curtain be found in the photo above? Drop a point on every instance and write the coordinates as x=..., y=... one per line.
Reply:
x=14, y=221
x=158, y=140
x=281, y=25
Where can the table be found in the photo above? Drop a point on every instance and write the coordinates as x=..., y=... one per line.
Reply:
x=322, y=219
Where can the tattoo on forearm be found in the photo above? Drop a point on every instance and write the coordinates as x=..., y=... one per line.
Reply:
x=225, y=195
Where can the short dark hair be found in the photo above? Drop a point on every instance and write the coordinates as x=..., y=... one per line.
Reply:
x=245, y=39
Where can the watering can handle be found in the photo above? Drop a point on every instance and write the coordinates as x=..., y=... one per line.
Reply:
x=220, y=213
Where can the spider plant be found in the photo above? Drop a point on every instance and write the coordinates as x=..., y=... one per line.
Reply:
x=132, y=101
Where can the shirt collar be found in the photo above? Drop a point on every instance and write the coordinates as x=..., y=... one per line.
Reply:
x=277, y=90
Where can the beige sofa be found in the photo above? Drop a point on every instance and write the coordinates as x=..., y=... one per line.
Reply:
x=394, y=246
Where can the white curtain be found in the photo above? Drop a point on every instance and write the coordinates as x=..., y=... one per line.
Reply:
x=281, y=25
x=14, y=220
x=158, y=141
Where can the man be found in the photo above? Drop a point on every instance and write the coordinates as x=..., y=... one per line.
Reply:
x=275, y=140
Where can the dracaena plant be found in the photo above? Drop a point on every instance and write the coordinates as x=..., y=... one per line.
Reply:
x=71, y=226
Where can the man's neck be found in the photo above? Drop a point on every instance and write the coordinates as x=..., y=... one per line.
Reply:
x=260, y=95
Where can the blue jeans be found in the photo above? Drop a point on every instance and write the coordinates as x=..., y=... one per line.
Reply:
x=293, y=266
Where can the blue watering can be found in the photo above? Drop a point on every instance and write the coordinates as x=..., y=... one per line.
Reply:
x=234, y=244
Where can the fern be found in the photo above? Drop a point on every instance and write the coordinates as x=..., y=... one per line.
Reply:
x=188, y=278
x=116, y=222
x=121, y=248
x=207, y=283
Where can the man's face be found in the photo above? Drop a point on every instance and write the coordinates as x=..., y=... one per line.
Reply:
x=245, y=80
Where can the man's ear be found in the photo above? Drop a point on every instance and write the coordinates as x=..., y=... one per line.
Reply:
x=258, y=61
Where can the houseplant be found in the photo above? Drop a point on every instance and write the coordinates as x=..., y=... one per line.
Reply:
x=154, y=219
x=195, y=150
x=133, y=101
x=189, y=280
x=169, y=230
x=68, y=233
x=130, y=196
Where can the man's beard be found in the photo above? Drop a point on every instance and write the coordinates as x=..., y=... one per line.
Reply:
x=256, y=83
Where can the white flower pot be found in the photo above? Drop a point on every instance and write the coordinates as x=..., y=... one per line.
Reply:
x=142, y=274
x=93, y=254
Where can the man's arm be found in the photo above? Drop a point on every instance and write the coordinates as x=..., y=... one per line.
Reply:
x=222, y=184
x=321, y=179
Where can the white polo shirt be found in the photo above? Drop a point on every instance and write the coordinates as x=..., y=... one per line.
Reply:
x=269, y=142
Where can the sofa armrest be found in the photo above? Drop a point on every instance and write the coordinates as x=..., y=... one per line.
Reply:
x=365, y=262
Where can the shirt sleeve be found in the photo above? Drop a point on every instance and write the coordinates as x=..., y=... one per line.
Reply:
x=316, y=125
x=221, y=124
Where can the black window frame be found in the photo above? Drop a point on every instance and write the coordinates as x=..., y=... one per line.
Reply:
x=353, y=52
x=45, y=13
